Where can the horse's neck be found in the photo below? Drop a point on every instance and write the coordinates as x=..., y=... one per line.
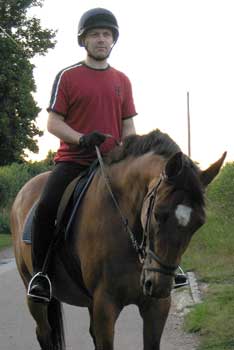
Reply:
x=133, y=179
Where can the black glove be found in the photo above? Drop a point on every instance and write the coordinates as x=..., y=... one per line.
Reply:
x=92, y=139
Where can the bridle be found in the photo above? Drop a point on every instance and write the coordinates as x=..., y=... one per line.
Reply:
x=163, y=268
x=143, y=250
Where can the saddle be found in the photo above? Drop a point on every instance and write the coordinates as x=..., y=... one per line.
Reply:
x=68, y=206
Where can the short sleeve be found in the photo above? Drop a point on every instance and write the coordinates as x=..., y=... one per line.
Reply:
x=59, y=98
x=128, y=107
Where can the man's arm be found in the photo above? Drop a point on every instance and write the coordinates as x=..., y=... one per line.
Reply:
x=60, y=129
x=128, y=128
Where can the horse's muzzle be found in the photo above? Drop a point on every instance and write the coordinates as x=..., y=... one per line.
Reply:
x=156, y=287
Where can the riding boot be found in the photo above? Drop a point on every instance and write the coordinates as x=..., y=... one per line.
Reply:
x=40, y=288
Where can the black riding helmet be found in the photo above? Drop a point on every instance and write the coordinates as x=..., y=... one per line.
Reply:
x=97, y=18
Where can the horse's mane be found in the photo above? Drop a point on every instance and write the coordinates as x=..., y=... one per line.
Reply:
x=138, y=145
x=160, y=144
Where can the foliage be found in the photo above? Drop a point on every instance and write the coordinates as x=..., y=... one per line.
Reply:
x=221, y=193
x=12, y=178
x=210, y=254
x=5, y=241
x=21, y=38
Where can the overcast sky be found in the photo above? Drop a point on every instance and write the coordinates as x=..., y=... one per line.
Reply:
x=167, y=48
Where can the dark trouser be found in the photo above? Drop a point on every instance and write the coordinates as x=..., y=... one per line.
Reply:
x=45, y=214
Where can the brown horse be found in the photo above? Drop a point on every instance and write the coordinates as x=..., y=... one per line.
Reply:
x=127, y=244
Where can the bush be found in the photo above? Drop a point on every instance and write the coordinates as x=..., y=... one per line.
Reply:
x=12, y=179
x=221, y=192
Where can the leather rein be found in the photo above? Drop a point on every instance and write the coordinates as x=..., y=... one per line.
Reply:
x=141, y=249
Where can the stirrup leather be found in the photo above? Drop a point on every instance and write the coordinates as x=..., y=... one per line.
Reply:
x=38, y=297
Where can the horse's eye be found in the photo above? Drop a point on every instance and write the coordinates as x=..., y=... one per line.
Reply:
x=161, y=216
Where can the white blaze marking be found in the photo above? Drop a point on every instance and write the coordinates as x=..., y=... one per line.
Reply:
x=183, y=214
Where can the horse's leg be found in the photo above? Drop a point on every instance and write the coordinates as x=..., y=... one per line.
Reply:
x=91, y=326
x=49, y=329
x=43, y=329
x=105, y=314
x=154, y=314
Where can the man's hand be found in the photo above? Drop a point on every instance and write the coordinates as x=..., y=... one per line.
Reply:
x=92, y=139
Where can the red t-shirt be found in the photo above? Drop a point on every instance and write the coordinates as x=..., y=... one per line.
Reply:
x=91, y=99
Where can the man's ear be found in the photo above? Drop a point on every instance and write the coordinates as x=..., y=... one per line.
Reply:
x=82, y=39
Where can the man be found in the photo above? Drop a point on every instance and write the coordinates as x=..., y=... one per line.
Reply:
x=91, y=105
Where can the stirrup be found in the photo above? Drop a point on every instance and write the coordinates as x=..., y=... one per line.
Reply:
x=183, y=275
x=38, y=298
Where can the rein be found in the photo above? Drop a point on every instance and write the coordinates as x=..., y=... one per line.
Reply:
x=140, y=249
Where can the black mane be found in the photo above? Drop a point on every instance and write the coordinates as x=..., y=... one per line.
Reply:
x=161, y=144
x=137, y=145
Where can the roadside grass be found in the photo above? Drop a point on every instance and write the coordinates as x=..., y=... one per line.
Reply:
x=5, y=241
x=211, y=256
x=211, y=252
x=214, y=319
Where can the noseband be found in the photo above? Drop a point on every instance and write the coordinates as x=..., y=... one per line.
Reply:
x=147, y=240
x=141, y=249
x=164, y=268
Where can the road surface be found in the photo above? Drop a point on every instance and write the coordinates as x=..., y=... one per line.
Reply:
x=17, y=325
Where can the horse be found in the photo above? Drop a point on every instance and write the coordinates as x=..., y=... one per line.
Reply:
x=128, y=236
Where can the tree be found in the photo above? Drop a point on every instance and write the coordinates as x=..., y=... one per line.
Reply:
x=21, y=38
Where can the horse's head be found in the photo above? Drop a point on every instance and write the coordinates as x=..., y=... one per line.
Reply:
x=173, y=210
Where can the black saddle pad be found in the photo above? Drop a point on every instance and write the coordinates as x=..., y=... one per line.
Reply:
x=78, y=194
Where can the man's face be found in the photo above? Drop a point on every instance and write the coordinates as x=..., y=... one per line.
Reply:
x=98, y=43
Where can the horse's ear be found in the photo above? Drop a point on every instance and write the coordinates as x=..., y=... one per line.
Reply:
x=174, y=166
x=209, y=174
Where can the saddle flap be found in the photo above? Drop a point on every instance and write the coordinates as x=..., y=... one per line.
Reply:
x=67, y=209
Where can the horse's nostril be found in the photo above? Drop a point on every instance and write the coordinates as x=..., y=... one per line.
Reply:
x=148, y=285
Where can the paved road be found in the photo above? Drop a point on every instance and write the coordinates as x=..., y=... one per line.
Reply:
x=17, y=326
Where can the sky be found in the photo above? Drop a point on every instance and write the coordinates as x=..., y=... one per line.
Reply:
x=167, y=48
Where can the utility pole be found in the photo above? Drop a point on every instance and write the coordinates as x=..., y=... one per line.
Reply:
x=189, y=133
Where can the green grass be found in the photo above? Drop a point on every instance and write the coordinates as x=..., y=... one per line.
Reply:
x=5, y=241
x=214, y=319
x=211, y=252
x=211, y=256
